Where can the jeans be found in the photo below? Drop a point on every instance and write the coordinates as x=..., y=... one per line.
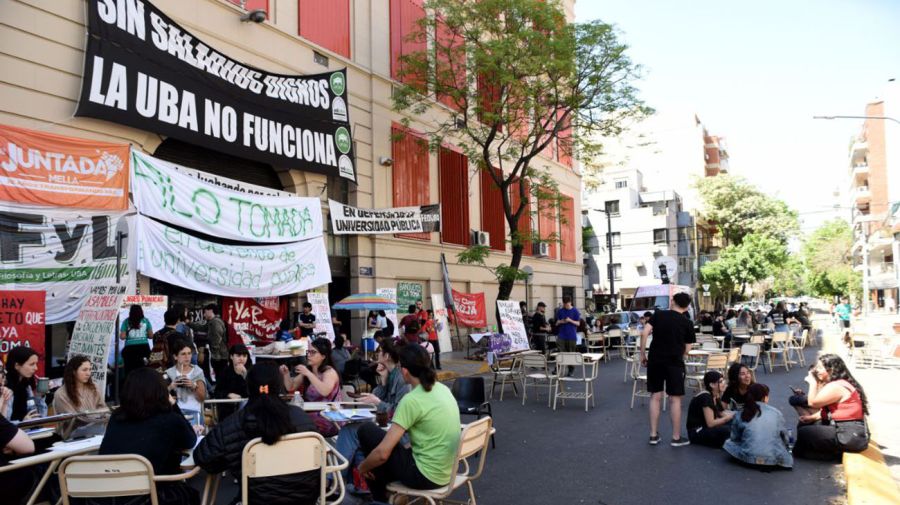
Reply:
x=437, y=353
x=348, y=445
x=400, y=466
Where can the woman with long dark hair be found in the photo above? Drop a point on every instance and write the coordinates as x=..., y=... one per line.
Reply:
x=708, y=423
x=232, y=384
x=317, y=382
x=758, y=435
x=833, y=421
x=430, y=415
x=269, y=417
x=149, y=423
x=21, y=370
x=78, y=392
x=136, y=331
x=739, y=380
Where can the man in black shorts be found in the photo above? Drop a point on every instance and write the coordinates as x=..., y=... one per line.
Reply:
x=673, y=334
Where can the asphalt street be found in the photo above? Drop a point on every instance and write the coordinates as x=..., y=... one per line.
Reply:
x=602, y=457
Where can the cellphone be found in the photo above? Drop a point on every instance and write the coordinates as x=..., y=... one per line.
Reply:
x=796, y=391
x=353, y=395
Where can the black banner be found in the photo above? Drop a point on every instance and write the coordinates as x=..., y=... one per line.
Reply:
x=143, y=70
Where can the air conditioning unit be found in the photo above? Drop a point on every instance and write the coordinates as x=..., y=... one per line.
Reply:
x=542, y=249
x=481, y=238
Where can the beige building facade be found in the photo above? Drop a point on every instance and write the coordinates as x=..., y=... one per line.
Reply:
x=42, y=44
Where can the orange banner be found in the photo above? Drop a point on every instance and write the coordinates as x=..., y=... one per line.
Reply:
x=45, y=169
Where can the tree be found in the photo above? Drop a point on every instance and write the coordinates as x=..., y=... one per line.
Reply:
x=757, y=257
x=517, y=81
x=791, y=278
x=738, y=209
x=827, y=256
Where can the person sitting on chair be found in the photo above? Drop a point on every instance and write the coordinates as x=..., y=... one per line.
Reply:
x=317, y=382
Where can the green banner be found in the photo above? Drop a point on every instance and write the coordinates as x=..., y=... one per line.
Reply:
x=408, y=293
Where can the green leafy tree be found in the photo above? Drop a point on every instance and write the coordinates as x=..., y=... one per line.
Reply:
x=517, y=80
x=738, y=208
x=791, y=278
x=757, y=257
x=826, y=254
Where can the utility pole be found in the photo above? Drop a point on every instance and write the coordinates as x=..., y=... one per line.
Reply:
x=609, y=265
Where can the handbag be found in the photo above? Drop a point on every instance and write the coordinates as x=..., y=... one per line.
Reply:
x=852, y=436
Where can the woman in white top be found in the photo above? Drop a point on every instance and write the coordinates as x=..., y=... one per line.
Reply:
x=187, y=381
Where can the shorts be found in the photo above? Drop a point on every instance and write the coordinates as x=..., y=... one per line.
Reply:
x=845, y=323
x=671, y=373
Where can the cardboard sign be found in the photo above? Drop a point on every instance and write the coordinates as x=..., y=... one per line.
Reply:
x=322, y=311
x=40, y=168
x=513, y=327
x=470, y=309
x=96, y=321
x=22, y=322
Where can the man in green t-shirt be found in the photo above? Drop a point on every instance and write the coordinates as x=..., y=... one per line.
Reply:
x=430, y=415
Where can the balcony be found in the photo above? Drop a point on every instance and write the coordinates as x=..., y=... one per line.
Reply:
x=862, y=194
x=859, y=171
x=858, y=151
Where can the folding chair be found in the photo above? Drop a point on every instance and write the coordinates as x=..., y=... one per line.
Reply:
x=639, y=378
x=630, y=353
x=734, y=355
x=796, y=346
x=115, y=475
x=778, y=348
x=472, y=441
x=504, y=375
x=536, y=373
x=750, y=351
x=295, y=453
x=717, y=362
x=611, y=334
x=588, y=374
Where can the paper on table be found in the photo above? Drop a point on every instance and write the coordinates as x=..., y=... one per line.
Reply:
x=77, y=445
x=347, y=415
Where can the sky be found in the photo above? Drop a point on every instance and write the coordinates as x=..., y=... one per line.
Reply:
x=756, y=72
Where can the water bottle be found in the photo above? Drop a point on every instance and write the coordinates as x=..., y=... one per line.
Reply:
x=791, y=440
x=298, y=399
x=30, y=406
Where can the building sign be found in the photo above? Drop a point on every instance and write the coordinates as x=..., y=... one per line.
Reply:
x=185, y=260
x=254, y=318
x=41, y=168
x=22, y=323
x=322, y=310
x=162, y=192
x=61, y=252
x=513, y=326
x=96, y=322
x=408, y=293
x=144, y=70
x=350, y=220
x=471, y=310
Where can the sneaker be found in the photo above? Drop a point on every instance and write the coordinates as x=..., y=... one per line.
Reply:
x=680, y=442
x=654, y=439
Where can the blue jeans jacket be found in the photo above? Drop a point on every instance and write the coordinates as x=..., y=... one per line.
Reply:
x=762, y=441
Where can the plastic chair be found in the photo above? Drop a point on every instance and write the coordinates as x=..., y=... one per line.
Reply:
x=116, y=475
x=588, y=374
x=469, y=395
x=536, y=373
x=472, y=441
x=294, y=453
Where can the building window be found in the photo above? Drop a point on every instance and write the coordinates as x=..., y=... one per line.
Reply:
x=251, y=5
x=410, y=172
x=616, y=269
x=612, y=207
x=454, y=168
x=570, y=292
x=450, y=64
x=326, y=24
x=614, y=239
x=405, y=16
x=567, y=225
x=621, y=183
x=660, y=236
x=493, y=219
x=547, y=222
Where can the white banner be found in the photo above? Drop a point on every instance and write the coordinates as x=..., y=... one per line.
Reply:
x=511, y=320
x=181, y=259
x=61, y=251
x=390, y=294
x=322, y=311
x=350, y=220
x=161, y=191
x=441, y=323
x=96, y=321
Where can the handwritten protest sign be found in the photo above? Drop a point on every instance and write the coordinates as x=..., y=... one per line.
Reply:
x=511, y=320
x=408, y=293
x=390, y=294
x=322, y=311
x=96, y=321
x=22, y=323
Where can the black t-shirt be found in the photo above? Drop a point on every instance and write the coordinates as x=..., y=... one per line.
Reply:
x=160, y=439
x=538, y=321
x=733, y=394
x=8, y=431
x=307, y=319
x=800, y=316
x=695, y=417
x=671, y=331
x=779, y=317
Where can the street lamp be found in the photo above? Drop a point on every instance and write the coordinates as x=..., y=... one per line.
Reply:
x=885, y=118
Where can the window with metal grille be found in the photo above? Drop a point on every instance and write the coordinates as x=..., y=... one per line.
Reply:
x=326, y=24
x=616, y=271
x=612, y=207
x=615, y=239
x=621, y=183
x=454, y=178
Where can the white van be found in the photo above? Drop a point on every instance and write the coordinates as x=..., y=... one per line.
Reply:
x=659, y=296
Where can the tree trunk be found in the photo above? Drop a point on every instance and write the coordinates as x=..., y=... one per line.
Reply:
x=506, y=286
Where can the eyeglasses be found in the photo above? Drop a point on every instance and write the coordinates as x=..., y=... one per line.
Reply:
x=312, y=352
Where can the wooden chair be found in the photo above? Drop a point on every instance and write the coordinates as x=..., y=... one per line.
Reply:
x=734, y=355
x=536, y=373
x=116, y=475
x=717, y=362
x=294, y=453
x=472, y=441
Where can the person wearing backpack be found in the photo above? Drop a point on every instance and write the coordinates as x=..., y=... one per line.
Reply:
x=164, y=341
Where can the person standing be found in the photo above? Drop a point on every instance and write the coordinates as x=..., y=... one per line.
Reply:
x=567, y=321
x=421, y=313
x=408, y=319
x=673, y=335
x=539, y=327
x=136, y=331
x=216, y=336
x=843, y=311
x=306, y=320
x=429, y=326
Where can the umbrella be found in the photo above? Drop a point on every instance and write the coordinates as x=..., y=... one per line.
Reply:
x=366, y=301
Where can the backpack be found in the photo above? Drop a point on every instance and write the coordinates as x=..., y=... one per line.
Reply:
x=160, y=354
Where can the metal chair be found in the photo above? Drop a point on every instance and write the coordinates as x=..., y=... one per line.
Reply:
x=796, y=346
x=295, y=453
x=536, y=373
x=778, y=348
x=472, y=441
x=504, y=375
x=588, y=374
x=630, y=353
x=469, y=394
x=115, y=475
x=639, y=378
x=750, y=351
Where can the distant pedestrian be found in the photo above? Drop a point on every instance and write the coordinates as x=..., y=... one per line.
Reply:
x=429, y=326
x=306, y=320
x=843, y=311
x=410, y=317
x=136, y=331
x=567, y=321
x=539, y=327
x=216, y=337
x=673, y=335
